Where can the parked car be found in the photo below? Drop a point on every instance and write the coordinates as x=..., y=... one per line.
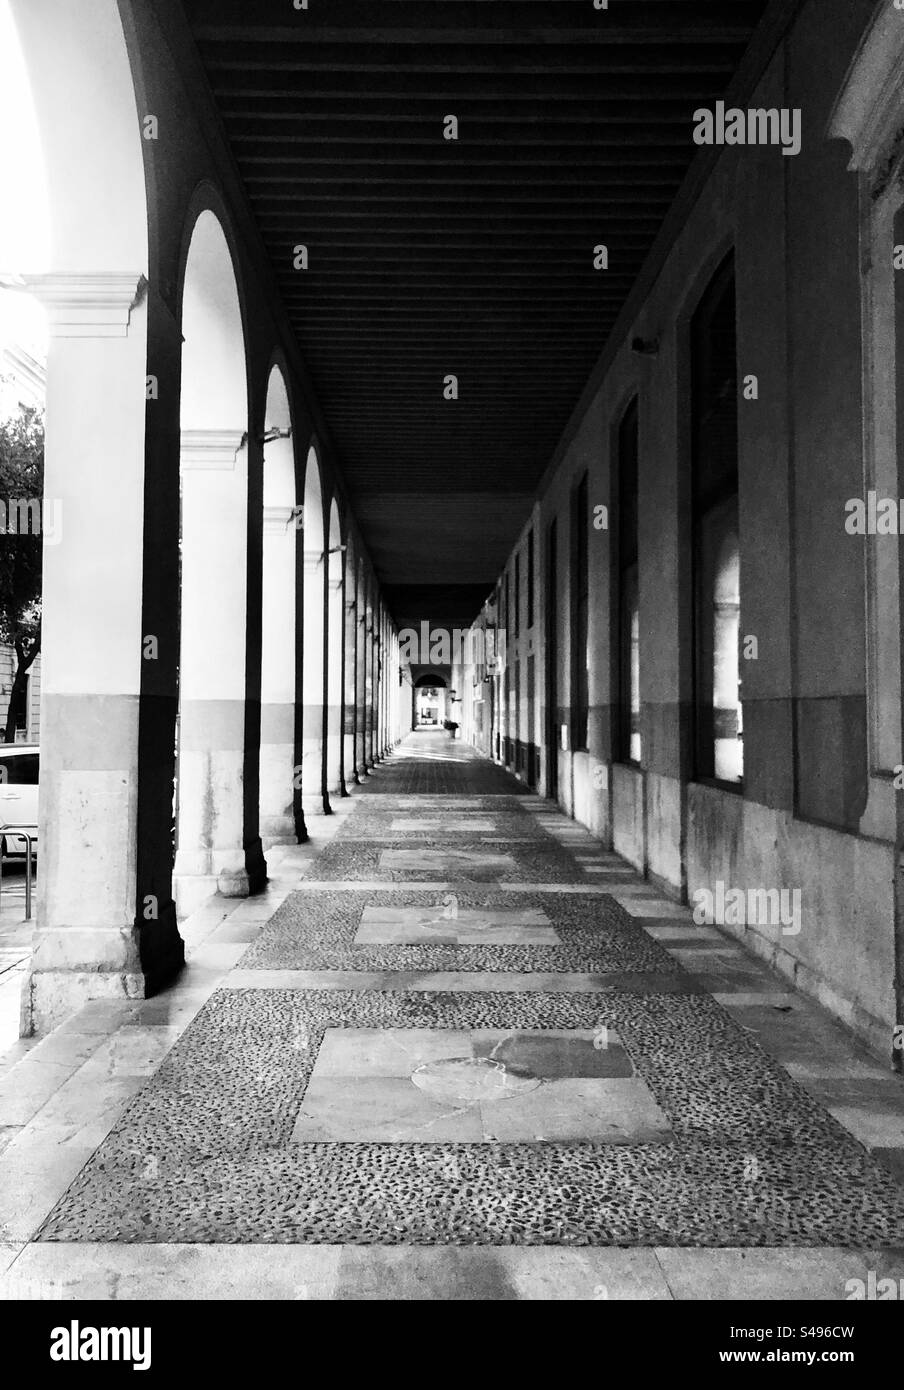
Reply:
x=19, y=768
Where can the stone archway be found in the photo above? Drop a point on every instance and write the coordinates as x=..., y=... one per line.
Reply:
x=210, y=854
x=430, y=700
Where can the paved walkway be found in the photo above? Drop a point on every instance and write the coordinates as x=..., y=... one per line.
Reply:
x=457, y=1050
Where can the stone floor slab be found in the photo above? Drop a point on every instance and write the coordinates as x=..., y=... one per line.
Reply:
x=408, y=1085
x=555, y=1053
x=785, y=1274
x=380, y=1110
x=166, y=1272
x=440, y=982
x=363, y=1052
x=582, y=1110
x=465, y=926
x=466, y=864
x=447, y=825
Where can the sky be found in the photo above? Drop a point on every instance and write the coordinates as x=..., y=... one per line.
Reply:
x=24, y=215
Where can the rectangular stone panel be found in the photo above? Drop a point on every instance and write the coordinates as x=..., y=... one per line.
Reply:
x=504, y=926
x=416, y=823
x=422, y=1085
x=446, y=863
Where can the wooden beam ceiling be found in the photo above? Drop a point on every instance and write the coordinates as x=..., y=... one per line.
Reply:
x=473, y=257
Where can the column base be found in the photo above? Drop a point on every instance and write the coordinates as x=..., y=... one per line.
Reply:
x=70, y=966
x=231, y=873
x=278, y=830
x=50, y=997
x=191, y=890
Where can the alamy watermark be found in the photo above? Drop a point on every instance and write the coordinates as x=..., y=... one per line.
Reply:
x=755, y=126
x=81, y=1343
x=32, y=516
x=755, y=907
x=459, y=646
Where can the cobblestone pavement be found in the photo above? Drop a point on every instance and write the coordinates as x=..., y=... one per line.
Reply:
x=460, y=1025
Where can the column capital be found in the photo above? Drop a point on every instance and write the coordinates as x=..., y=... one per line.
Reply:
x=312, y=562
x=867, y=111
x=210, y=449
x=277, y=520
x=92, y=304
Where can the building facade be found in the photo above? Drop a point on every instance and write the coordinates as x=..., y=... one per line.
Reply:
x=704, y=658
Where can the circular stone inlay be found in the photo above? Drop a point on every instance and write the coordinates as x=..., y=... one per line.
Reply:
x=466, y=1080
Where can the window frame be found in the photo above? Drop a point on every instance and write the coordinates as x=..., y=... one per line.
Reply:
x=714, y=508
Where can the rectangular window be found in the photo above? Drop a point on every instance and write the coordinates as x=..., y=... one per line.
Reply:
x=628, y=734
x=516, y=598
x=530, y=579
x=579, y=614
x=716, y=549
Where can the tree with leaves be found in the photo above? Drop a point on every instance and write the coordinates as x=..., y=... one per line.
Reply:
x=21, y=480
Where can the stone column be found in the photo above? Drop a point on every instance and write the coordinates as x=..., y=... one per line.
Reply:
x=210, y=855
x=369, y=681
x=277, y=770
x=314, y=682
x=87, y=943
x=386, y=739
x=394, y=693
x=335, y=651
x=378, y=685
x=360, y=679
x=349, y=685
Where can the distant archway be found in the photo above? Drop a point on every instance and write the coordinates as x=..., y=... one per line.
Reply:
x=430, y=701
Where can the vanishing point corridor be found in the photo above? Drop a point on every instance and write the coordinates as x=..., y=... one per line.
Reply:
x=457, y=1050
x=451, y=673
